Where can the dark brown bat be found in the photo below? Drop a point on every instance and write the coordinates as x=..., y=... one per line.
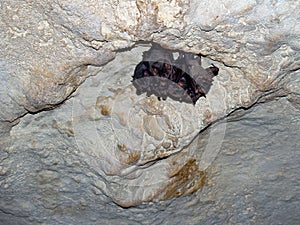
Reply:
x=182, y=79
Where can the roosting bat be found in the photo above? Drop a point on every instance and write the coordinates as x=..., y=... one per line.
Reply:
x=182, y=79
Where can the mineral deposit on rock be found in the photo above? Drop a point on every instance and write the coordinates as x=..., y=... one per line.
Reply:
x=78, y=145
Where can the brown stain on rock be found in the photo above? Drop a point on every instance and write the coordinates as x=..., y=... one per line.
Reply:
x=132, y=157
x=105, y=111
x=103, y=104
x=185, y=180
x=127, y=156
x=122, y=147
x=47, y=89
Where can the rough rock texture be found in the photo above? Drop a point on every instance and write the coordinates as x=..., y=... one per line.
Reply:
x=101, y=145
x=253, y=180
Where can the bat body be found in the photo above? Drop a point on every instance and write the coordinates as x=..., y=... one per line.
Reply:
x=182, y=79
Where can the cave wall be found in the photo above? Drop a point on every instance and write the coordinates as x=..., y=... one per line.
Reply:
x=78, y=145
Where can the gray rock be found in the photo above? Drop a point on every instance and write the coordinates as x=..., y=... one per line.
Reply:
x=252, y=179
x=78, y=145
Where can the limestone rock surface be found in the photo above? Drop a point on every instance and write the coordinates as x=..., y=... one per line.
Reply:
x=77, y=140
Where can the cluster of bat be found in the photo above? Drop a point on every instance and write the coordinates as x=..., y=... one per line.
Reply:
x=182, y=79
